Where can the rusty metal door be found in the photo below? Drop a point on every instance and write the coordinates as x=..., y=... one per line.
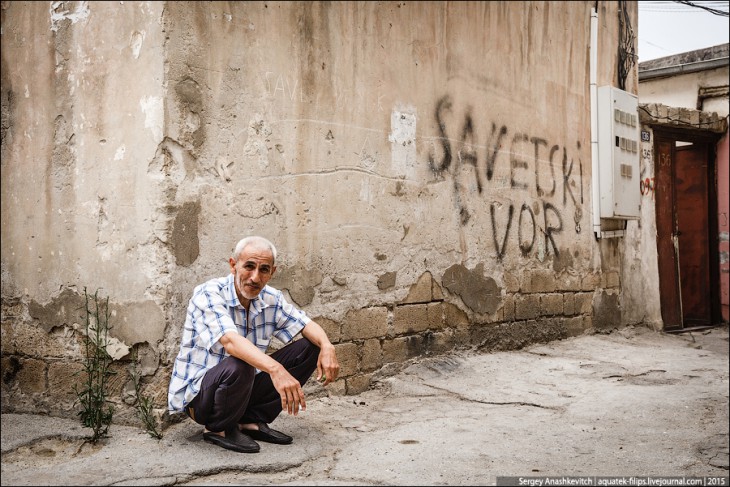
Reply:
x=693, y=232
x=684, y=245
x=666, y=241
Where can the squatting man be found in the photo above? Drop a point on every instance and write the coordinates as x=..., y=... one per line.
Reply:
x=223, y=378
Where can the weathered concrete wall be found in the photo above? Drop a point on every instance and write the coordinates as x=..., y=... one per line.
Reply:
x=82, y=94
x=424, y=169
x=682, y=91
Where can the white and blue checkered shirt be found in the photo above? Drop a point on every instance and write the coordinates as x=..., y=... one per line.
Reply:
x=214, y=310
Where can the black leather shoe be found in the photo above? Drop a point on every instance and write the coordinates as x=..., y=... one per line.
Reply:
x=264, y=433
x=234, y=440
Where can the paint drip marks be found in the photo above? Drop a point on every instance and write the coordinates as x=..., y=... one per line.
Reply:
x=60, y=11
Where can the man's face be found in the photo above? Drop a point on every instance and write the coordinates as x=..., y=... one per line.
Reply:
x=251, y=272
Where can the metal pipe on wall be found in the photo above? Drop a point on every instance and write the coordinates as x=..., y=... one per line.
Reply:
x=594, y=124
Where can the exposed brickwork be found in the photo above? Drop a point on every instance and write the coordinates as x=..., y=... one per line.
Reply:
x=551, y=304
x=421, y=291
x=527, y=307
x=410, y=318
x=32, y=376
x=569, y=308
x=570, y=282
x=454, y=317
x=365, y=323
x=395, y=350
x=539, y=282
x=332, y=328
x=610, y=279
x=574, y=326
x=590, y=282
x=62, y=376
x=584, y=303
x=508, y=309
x=372, y=355
x=347, y=356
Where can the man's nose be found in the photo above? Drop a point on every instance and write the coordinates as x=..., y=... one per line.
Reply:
x=255, y=275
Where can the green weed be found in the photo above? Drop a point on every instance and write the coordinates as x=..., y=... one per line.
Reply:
x=144, y=404
x=95, y=412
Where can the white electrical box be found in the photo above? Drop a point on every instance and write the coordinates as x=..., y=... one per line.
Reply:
x=618, y=153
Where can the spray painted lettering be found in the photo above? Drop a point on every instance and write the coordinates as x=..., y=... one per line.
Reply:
x=646, y=186
x=524, y=151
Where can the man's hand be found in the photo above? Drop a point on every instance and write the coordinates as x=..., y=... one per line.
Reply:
x=292, y=395
x=327, y=366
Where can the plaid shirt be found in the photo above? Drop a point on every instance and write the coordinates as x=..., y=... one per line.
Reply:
x=214, y=310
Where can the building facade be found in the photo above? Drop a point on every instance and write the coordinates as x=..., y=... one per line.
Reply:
x=425, y=170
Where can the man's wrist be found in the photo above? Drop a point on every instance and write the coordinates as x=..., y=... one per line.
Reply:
x=273, y=368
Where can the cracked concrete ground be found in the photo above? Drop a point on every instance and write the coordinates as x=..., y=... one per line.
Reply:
x=633, y=402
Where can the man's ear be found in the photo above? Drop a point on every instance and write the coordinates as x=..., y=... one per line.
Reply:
x=233, y=265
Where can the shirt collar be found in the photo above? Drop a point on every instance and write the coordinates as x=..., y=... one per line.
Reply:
x=257, y=304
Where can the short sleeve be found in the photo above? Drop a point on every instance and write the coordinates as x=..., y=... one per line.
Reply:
x=216, y=318
x=290, y=321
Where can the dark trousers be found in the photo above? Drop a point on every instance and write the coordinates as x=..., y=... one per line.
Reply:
x=232, y=393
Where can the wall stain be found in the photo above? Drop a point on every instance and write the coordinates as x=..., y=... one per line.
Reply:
x=387, y=280
x=299, y=281
x=67, y=308
x=184, y=239
x=606, y=311
x=481, y=294
x=11, y=369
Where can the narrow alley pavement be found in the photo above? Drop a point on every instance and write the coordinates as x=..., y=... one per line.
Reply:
x=630, y=403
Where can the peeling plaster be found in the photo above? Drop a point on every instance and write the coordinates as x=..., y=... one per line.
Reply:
x=138, y=322
x=116, y=349
x=119, y=154
x=135, y=42
x=59, y=12
x=130, y=323
x=402, y=139
x=68, y=308
x=152, y=107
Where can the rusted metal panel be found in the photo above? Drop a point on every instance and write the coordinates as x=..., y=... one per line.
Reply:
x=693, y=232
x=666, y=229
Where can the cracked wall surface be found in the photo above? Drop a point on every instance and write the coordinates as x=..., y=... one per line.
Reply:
x=421, y=192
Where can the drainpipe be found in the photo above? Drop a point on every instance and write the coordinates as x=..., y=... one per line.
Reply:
x=594, y=124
